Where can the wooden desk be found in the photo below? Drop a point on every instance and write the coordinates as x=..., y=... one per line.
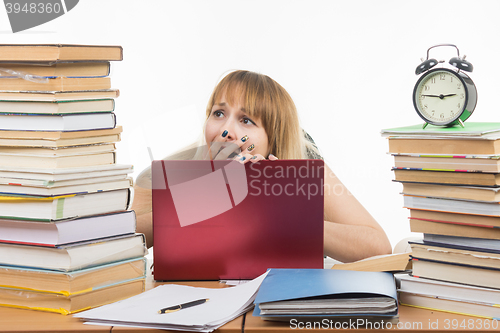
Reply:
x=17, y=320
x=411, y=320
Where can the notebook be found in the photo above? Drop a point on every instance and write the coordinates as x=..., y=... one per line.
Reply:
x=226, y=220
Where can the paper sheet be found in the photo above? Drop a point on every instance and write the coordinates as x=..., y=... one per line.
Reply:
x=224, y=305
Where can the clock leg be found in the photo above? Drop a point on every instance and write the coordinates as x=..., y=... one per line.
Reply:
x=425, y=125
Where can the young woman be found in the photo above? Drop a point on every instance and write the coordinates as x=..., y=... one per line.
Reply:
x=252, y=115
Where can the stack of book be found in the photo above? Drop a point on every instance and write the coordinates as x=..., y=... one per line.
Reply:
x=67, y=238
x=451, y=183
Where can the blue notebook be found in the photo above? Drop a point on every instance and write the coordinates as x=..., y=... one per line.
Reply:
x=321, y=286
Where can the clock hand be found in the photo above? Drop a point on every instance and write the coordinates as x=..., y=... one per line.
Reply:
x=440, y=96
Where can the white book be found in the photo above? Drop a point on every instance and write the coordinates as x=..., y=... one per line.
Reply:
x=63, y=207
x=59, y=122
x=57, y=151
x=63, y=174
x=469, y=308
x=452, y=205
x=53, y=162
x=485, y=277
x=51, y=139
x=411, y=284
x=62, y=183
x=52, y=96
x=93, y=187
x=475, y=243
x=102, y=105
x=74, y=256
x=478, y=163
x=56, y=233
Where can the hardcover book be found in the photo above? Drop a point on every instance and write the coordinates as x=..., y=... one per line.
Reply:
x=54, y=96
x=57, y=233
x=75, y=281
x=53, y=302
x=39, y=208
x=452, y=229
x=57, y=107
x=57, y=122
x=55, y=84
x=483, y=130
x=58, y=138
x=69, y=69
x=447, y=177
x=53, y=53
x=478, y=276
x=453, y=206
x=455, y=254
x=73, y=256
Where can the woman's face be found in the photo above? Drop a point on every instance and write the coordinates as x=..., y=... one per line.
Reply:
x=234, y=120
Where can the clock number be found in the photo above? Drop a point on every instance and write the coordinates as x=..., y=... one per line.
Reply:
x=462, y=96
x=452, y=113
x=451, y=78
x=426, y=87
x=441, y=116
x=442, y=77
x=422, y=97
x=433, y=80
x=425, y=106
x=432, y=113
x=459, y=86
x=459, y=105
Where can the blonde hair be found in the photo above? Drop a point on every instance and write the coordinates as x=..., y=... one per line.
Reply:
x=267, y=100
x=262, y=98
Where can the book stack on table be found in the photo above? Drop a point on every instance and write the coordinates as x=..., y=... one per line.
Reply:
x=67, y=238
x=451, y=184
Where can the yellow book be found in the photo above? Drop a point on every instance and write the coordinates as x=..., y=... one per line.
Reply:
x=52, y=302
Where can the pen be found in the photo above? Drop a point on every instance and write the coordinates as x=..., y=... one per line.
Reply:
x=183, y=306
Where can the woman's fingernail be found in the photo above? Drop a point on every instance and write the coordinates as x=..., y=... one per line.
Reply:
x=245, y=138
x=252, y=147
x=224, y=133
x=254, y=157
x=242, y=159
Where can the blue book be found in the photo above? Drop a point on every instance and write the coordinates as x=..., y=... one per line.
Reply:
x=296, y=293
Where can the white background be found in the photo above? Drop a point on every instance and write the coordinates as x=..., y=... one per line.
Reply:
x=349, y=66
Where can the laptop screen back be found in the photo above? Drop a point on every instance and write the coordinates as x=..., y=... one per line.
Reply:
x=225, y=220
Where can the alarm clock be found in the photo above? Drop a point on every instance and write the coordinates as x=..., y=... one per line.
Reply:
x=444, y=95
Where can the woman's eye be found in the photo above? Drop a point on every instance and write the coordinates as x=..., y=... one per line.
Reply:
x=248, y=121
x=218, y=113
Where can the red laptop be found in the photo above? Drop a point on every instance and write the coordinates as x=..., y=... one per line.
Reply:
x=226, y=220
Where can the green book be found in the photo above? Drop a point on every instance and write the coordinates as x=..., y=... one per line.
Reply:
x=480, y=130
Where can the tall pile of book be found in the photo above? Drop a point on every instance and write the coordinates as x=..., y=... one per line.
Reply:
x=67, y=238
x=451, y=184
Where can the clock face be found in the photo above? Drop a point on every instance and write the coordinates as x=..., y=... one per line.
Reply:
x=440, y=96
